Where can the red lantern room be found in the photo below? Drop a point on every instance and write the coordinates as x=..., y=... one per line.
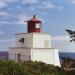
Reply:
x=34, y=25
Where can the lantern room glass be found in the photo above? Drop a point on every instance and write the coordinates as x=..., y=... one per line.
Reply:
x=37, y=25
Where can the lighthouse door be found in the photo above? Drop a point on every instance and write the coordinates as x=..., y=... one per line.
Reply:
x=18, y=57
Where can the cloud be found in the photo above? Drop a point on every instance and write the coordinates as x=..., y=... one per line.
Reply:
x=9, y=0
x=12, y=19
x=11, y=23
x=73, y=1
x=2, y=4
x=22, y=18
x=60, y=8
x=63, y=43
x=7, y=40
x=43, y=13
x=32, y=8
x=6, y=43
x=48, y=5
x=29, y=1
x=61, y=38
x=1, y=33
x=2, y=13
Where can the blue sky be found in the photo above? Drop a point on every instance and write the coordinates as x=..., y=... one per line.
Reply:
x=57, y=15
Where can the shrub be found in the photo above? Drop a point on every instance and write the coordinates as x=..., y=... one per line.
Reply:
x=30, y=68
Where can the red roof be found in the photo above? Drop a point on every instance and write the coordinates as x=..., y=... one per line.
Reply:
x=34, y=19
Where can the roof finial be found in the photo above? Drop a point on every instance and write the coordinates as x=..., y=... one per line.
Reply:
x=34, y=16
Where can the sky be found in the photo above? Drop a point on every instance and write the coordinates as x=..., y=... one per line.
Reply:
x=56, y=16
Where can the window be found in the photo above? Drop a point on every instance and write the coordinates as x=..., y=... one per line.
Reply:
x=21, y=40
x=37, y=25
x=46, y=44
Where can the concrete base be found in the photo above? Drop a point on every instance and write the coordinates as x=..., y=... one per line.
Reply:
x=47, y=55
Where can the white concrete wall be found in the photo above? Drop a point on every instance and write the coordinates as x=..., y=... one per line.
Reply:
x=34, y=40
x=39, y=40
x=49, y=56
x=25, y=54
x=27, y=40
x=56, y=56
x=45, y=55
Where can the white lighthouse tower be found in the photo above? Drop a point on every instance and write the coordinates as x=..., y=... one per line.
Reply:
x=34, y=45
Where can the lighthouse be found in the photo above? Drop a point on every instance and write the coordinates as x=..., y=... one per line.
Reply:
x=34, y=45
x=34, y=25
